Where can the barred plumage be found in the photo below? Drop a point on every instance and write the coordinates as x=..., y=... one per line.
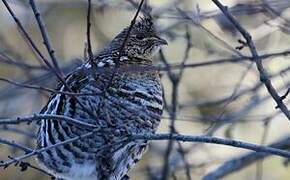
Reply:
x=131, y=104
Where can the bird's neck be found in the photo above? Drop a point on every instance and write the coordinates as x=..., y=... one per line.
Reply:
x=111, y=57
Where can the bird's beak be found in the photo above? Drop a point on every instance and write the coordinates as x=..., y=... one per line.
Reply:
x=161, y=41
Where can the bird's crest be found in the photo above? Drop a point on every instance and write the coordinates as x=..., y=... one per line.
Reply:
x=145, y=23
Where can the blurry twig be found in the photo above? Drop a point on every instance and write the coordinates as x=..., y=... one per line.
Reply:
x=263, y=74
x=9, y=61
x=47, y=89
x=19, y=131
x=219, y=124
x=50, y=50
x=274, y=13
x=259, y=164
x=175, y=79
x=13, y=144
x=198, y=24
x=24, y=32
x=44, y=34
x=186, y=164
x=240, y=162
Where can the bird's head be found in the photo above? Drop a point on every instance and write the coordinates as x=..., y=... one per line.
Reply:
x=143, y=41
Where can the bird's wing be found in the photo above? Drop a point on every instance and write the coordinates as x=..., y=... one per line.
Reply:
x=73, y=75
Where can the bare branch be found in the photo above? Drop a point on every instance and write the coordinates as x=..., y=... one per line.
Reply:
x=133, y=21
x=240, y=162
x=38, y=117
x=170, y=136
x=263, y=73
x=45, y=36
x=16, y=145
x=214, y=140
x=90, y=52
x=46, y=89
x=26, y=35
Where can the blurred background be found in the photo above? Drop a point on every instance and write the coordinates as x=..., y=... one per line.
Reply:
x=224, y=98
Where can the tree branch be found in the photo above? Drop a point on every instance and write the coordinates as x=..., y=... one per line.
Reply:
x=240, y=162
x=263, y=73
x=38, y=117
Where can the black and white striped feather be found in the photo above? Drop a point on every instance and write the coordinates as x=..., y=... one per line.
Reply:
x=131, y=104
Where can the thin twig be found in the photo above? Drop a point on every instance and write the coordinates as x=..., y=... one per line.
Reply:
x=213, y=140
x=45, y=36
x=26, y=35
x=240, y=162
x=19, y=131
x=15, y=145
x=186, y=164
x=38, y=117
x=37, y=151
x=9, y=61
x=90, y=52
x=47, y=89
x=169, y=136
x=47, y=43
x=175, y=79
x=263, y=73
x=121, y=49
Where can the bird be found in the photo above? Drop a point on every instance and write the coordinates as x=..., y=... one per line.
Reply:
x=117, y=103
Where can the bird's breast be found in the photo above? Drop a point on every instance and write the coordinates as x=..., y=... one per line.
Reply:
x=135, y=100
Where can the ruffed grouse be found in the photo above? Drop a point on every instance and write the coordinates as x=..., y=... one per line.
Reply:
x=129, y=103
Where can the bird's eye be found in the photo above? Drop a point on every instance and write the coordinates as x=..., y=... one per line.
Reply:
x=140, y=36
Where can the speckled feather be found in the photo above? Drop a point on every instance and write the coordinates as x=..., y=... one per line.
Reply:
x=132, y=104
